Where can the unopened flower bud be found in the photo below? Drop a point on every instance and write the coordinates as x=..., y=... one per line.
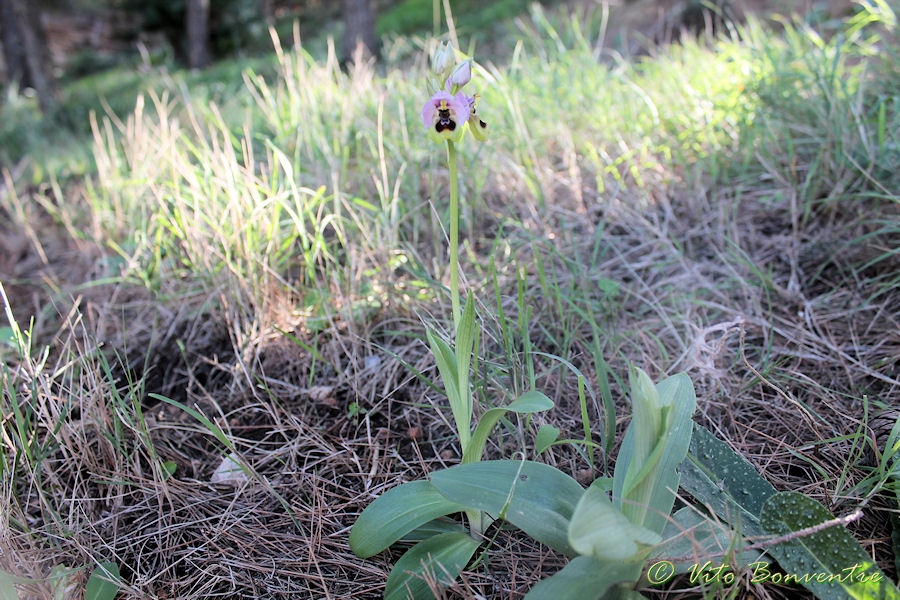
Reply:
x=442, y=61
x=462, y=73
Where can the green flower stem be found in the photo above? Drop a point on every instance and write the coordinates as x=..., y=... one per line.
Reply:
x=475, y=517
x=454, y=235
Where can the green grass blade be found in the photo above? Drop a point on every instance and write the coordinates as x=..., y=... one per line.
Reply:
x=609, y=405
x=222, y=437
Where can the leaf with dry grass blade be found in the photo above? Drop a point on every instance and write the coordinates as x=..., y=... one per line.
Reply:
x=692, y=536
x=7, y=587
x=103, y=583
x=716, y=476
x=832, y=552
x=534, y=497
x=584, y=578
x=438, y=559
x=395, y=513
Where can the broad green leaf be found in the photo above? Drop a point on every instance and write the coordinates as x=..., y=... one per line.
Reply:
x=169, y=468
x=545, y=437
x=8, y=336
x=16, y=579
x=395, y=513
x=811, y=558
x=676, y=392
x=623, y=592
x=439, y=558
x=445, y=359
x=584, y=578
x=604, y=484
x=433, y=528
x=892, y=443
x=465, y=339
x=103, y=584
x=635, y=453
x=534, y=497
x=60, y=578
x=7, y=587
x=600, y=530
x=695, y=536
x=649, y=483
x=529, y=402
x=716, y=476
x=646, y=407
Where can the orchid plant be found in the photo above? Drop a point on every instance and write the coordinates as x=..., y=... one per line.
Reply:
x=414, y=511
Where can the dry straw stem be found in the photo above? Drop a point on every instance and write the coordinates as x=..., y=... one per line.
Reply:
x=769, y=542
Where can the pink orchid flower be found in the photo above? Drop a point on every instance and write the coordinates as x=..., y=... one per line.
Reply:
x=444, y=116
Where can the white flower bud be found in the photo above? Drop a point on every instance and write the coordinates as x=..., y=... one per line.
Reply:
x=442, y=60
x=462, y=73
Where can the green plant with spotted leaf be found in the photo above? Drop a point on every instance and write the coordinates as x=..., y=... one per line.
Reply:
x=812, y=547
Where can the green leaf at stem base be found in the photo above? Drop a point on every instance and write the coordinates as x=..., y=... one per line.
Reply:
x=534, y=497
x=438, y=559
x=395, y=513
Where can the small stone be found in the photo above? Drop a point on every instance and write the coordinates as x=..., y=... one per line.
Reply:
x=323, y=394
x=229, y=471
x=584, y=476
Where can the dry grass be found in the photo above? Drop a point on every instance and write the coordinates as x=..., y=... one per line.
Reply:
x=781, y=303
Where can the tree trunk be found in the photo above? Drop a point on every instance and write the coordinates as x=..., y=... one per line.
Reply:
x=197, y=33
x=359, y=23
x=265, y=11
x=13, y=53
x=25, y=50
